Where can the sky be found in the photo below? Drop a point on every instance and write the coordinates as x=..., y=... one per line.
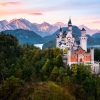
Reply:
x=82, y=12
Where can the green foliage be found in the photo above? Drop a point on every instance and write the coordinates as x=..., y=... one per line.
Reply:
x=11, y=88
x=27, y=73
x=46, y=69
x=24, y=68
x=97, y=88
x=74, y=69
x=59, y=61
x=51, y=91
x=89, y=86
x=54, y=73
x=83, y=72
x=61, y=72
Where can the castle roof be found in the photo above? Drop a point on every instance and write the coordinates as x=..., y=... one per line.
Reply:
x=79, y=50
x=83, y=29
x=69, y=22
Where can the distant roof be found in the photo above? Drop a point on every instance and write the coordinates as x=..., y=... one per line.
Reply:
x=79, y=50
x=83, y=29
x=69, y=22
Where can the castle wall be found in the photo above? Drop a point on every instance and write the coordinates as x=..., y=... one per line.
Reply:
x=81, y=58
x=76, y=53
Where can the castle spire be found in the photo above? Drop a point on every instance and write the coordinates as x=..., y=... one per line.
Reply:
x=83, y=29
x=70, y=25
x=69, y=22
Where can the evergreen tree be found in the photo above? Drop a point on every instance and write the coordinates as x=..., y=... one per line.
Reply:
x=55, y=73
x=59, y=61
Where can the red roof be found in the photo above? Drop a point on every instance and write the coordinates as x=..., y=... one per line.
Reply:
x=80, y=51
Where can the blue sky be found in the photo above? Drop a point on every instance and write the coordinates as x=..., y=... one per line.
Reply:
x=85, y=12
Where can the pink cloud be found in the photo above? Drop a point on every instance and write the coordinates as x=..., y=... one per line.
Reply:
x=36, y=13
x=9, y=3
x=21, y=11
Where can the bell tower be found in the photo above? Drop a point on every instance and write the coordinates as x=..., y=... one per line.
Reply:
x=83, y=39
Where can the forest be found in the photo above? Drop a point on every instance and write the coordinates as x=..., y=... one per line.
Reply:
x=29, y=73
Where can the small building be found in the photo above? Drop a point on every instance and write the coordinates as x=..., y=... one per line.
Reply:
x=77, y=52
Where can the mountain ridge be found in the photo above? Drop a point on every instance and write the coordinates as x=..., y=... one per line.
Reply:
x=43, y=29
x=25, y=36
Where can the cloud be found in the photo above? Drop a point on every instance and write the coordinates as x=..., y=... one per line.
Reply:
x=18, y=7
x=36, y=13
x=9, y=3
x=21, y=11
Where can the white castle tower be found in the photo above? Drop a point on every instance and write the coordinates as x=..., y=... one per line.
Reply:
x=65, y=39
x=75, y=51
x=83, y=40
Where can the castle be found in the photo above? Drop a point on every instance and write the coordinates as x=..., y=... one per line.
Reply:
x=74, y=52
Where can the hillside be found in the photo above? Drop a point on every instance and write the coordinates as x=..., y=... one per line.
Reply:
x=28, y=73
x=25, y=36
x=96, y=38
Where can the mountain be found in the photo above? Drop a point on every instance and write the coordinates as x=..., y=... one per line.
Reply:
x=3, y=23
x=25, y=36
x=59, y=24
x=31, y=37
x=43, y=29
x=46, y=29
x=88, y=30
x=19, y=24
x=76, y=32
x=96, y=37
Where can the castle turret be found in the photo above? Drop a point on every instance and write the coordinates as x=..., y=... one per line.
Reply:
x=69, y=34
x=69, y=25
x=83, y=39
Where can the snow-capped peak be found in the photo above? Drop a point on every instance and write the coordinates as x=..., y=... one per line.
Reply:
x=60, y=24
